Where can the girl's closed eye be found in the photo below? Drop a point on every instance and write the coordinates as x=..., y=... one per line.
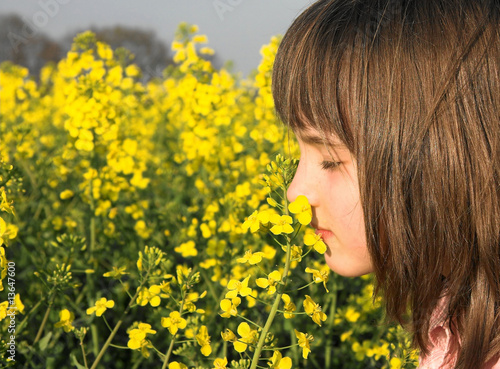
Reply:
x=329, y=165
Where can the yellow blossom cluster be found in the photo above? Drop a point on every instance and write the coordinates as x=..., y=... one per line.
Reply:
x=148, y=228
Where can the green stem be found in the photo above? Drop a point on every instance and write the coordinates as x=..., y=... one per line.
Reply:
x=107, y=324
x=23, y=322
x=115, y=330
x=44, y=321
x=92, y=229
x=274, y=308
x=84, y=355
x=331, y=315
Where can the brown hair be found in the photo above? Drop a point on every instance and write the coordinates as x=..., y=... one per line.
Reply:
x=412, y=88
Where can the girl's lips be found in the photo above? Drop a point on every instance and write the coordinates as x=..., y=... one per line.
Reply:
x=324, y=233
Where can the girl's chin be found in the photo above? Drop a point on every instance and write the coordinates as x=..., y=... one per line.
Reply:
x=346, y=268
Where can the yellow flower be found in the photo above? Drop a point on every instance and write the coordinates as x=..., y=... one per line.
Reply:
x=174, y=322
x=314, y=310
x=248, y=336
x=302, y=209
x=252, y=223
x=352, y=315
x=289, y=306
x=177, y=365
x=18, y=303
x=229, y=307
x=315, y=241
x=282, y=224
x=236, y=287
x=255, y=220
x=228, y=335
x=200, y=39
x=137, y=338
x=304, y=342
x=187, y=249
x=395, y=363
x=251, y=258
x=152, y=295
x=101, y=306
x=277, y=361
x=319, y=276
x=190, y=299
x=65, y=320
x=203, y=340
x=272, y=280
x=116, y=273
x=66, y=194
x=7, y=232
x=3, y=309
x=220, y=363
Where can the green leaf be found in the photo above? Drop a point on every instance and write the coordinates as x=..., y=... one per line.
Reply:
x=45, y=341
x=76, y=363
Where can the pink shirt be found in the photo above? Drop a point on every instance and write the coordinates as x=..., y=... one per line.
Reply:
x=444, y=342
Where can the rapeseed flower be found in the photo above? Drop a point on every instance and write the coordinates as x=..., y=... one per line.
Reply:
x=7, y=232
x=221, y=363
x=116, y=273
x=3, y=309
x=248, y=337
x=138, y=338
x=101, y=306
x=236, y=288
x=304, y=341
x=395, y=363
x=203, y=340
x=174, y=322
x=315, y=241
x=152, y=295
x=314, y=310
x=65, y=322
x=229, y=307
x=277, y=361
x=177, y=365
x=187, y=249
x=252, y=222
x=270, y=282
x=319, y=276
x=300, y=206
x=251, y=258
x=282, y=224
x=228, y=335
x=66, y=194
x=190, y=299
x=289, y=306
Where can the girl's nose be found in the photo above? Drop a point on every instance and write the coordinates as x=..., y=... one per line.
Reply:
x=302, y=185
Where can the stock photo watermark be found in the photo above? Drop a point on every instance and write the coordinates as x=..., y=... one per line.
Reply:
x=223, y=6
x=48, y=9
x=11, y=311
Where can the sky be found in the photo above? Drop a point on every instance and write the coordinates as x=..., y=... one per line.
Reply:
x=236, y=29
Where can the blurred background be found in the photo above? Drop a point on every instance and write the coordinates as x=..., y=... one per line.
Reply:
x=34, y=32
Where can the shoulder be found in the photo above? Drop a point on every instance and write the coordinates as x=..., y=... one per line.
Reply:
x=445, y=345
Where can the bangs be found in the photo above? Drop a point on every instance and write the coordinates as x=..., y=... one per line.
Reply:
x=313, y=81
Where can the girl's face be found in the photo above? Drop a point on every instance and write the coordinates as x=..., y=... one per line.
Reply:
x=327, y=176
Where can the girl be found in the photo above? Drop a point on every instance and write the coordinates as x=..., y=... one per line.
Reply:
x=396, y=108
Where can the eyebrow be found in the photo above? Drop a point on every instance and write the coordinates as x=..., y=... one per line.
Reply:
x=317, y=140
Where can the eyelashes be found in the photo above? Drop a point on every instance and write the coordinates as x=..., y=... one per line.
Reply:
x=329, y=165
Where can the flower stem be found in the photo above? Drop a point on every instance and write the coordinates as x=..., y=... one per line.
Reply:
x=115, y=330
x=277, y=300
x=84, y=355
x=44, y=321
